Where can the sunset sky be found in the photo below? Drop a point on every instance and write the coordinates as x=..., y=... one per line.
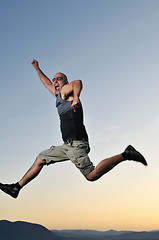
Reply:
x=113, y=47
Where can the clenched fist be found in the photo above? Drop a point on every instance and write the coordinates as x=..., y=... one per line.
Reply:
x=35, y=64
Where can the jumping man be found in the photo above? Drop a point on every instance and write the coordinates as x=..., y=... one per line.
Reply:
x=74, y=135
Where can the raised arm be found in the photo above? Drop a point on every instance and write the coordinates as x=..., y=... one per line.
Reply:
x=44, y=79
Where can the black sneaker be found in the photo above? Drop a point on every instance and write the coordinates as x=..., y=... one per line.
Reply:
x=130, y=153
x=10, y=189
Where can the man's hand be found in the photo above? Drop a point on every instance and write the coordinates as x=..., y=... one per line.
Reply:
x=35, y=64
x=76, y=104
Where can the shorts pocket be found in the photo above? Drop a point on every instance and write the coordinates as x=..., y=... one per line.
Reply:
x=84, y=146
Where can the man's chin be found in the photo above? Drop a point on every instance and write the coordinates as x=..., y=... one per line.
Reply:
x=57, y=92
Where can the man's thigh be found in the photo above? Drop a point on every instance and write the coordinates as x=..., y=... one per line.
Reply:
x=53, y=154
x=77, y=152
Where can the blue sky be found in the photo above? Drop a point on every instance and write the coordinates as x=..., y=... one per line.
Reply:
x=112, y=46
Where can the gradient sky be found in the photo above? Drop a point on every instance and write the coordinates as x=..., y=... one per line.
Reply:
x=113, y=47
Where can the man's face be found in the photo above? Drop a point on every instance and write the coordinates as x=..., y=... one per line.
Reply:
x=59, y=80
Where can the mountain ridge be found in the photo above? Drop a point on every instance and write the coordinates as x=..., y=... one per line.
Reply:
x=107, y=235
x=19, y=230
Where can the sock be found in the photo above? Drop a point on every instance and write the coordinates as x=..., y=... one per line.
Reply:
x=17, y=185
x=124, y=154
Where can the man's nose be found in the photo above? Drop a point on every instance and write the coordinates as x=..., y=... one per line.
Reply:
x=55, y=81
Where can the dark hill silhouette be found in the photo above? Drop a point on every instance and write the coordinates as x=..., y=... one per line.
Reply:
x=29, y=231
x=25, y=231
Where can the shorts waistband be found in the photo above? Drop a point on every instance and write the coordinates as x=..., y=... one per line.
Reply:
x=70, y=140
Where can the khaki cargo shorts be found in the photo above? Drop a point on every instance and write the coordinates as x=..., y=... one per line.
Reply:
x=76, y=151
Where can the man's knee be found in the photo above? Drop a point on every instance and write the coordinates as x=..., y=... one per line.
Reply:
x=40, y=162
x=91, y=176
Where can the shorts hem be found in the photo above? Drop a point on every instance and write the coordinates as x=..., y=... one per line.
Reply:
x=85, y=172
x=44, y=159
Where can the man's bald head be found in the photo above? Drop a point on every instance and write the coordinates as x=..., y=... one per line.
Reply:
x=62, y=75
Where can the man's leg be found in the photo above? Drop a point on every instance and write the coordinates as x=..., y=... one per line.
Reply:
x=32, y=172
x=51, y=155
x=13, y=189
x=106, y=165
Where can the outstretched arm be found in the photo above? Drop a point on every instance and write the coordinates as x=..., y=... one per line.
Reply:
x=44, y=79
x=74, y=88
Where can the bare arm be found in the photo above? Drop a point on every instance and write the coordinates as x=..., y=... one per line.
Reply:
x=44, y=79
x=74, y=88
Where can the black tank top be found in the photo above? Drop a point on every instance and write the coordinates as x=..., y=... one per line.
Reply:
x=71, y=123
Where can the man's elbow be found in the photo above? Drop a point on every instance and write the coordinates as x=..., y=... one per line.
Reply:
x=79, y=82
